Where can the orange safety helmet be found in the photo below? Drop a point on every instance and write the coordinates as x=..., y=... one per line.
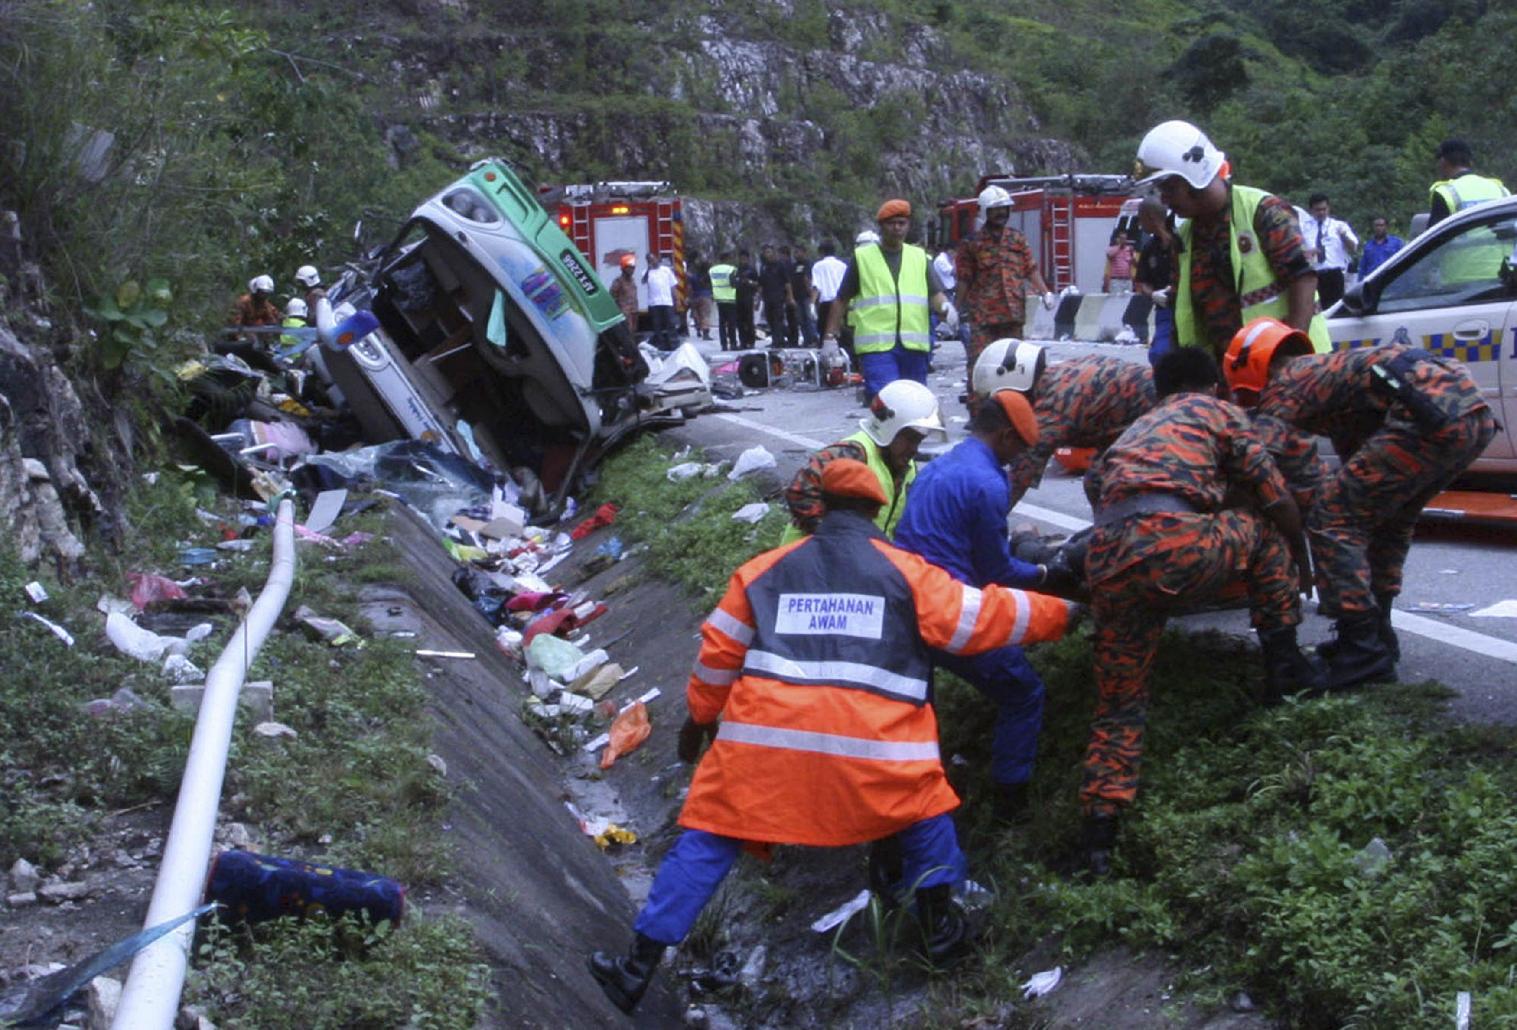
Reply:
x=1253, y=348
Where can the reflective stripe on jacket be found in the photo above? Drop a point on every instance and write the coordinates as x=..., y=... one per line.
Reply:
x=884, y=310
x=1466, y=190
x=816, y=662
x=1259, y=291
x=722, y=288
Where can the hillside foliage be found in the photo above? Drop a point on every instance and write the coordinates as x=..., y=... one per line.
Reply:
x=252, y=137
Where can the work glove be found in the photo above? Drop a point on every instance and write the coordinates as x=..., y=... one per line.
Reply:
x=1078, y=613
x=1161, y=297
x=1050, y=300
x=950, y=317
x=693, y=738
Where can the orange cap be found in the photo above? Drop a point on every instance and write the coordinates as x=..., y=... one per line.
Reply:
x=893, y=209
x=848, y=478
x=628, y=261
x=1253, y=349
x=1019, y=413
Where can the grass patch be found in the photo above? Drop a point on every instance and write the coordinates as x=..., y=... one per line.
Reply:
x=1249, y=854
x=688, y=526
x=343, y=975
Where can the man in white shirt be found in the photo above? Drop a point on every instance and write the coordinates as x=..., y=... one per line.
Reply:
x=662, y=283
x=1329, y=243
x=826, y=276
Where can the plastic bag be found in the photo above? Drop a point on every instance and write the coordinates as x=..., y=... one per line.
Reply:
x=751, y=513
x=148, y=587
x=752, y=460
x=145, y=645
x=553, y=655
x=628, y=731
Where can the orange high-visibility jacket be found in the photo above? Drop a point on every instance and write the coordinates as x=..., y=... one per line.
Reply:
x=816, y=662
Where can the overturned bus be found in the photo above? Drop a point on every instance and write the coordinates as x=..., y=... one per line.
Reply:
x=492, y=337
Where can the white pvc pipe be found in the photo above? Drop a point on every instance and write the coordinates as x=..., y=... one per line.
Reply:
x=150, y=999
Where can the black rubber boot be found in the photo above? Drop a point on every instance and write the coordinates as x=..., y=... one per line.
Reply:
x=1387, y=631
x=886, y=870
x=1012, y=805
x=1359, y=654
x=1286, y=669
x=625, y=978
x=945, y=930
x=1100, y=840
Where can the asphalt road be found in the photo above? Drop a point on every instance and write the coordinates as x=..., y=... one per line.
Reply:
x=1449, y=565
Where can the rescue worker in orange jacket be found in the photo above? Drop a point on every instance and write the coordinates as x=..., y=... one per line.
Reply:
x=812, y=685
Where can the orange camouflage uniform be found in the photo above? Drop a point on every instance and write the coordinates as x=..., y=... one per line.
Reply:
x=804, y=494
x=1198, y=449
x=1361, y=526
x=1086, y=402
x=992, y=272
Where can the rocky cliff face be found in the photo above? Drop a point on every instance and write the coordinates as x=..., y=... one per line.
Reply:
x=829, y=109
x=49, y=446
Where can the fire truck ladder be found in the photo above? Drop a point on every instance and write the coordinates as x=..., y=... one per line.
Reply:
x=580, y=228
x=1061, y=215
x=669, y=241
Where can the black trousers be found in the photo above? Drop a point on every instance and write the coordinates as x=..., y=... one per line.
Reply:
x=745, y=330
x=726, y=322
x=1329, y=286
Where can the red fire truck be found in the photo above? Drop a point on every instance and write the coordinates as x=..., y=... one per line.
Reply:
x=1067, y=219
x=608, y=219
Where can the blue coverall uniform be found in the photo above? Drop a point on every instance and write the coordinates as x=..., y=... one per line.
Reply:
x=956, y=518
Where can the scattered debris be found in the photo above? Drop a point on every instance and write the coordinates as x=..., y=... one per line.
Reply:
x=36, y=592
x=326, y=509
x=602, y=830
x=1042, y=983
x=751, y=513
x=628, y=730
x=1373, y=858
x=1500, y=610
x=145, y=645
x=1438, y=607
x=752, y=460
x=333, y=631
x=844, y=912
x=57, y=630
x=149, y=588
x=255, y=888
x=438, y=763
x=24, y=876
x=445, y=654
x=274, y=730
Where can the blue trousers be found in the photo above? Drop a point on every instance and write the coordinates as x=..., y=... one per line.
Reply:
x=1164, y=334
x=1006, y=677
x=884, y=367
x=694, y=868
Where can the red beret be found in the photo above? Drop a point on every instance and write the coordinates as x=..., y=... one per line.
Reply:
x=893, y=209
x=848, y=478
x=1019, y=413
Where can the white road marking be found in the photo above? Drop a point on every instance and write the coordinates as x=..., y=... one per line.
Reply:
x=1433, y=629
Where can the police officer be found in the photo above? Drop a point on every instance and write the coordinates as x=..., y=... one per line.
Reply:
x=1458, y=187
x=724, y=291
x=812, y=684
x=1404, y=424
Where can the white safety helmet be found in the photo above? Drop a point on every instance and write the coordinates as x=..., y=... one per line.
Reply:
x=993, y=196
x=1178, y=148
x=307, y=276
x=902, y=404
x=1008, y=364
x=261, y=284
x=866, y=237
x=296, y=308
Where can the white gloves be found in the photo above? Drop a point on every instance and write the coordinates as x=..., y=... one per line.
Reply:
x=1050, y=300
x=950, y=317
x=1161, y=297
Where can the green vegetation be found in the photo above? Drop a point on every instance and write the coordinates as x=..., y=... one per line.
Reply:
x=353, y=787
x=345, y=975
x=687, y=526
x=1250, y=859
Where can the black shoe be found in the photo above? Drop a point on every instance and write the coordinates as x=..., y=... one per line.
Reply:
x=945, y=929
x=625, y=978
x=1100, y=840
x=1359, y=654
x=1286, y=669
x=1012, y=804
x=887, y=870
x=1383, y=603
